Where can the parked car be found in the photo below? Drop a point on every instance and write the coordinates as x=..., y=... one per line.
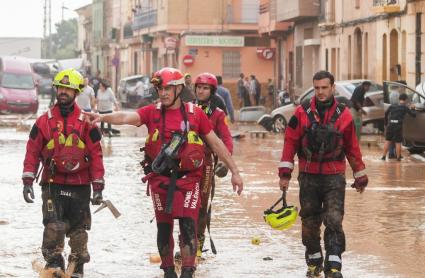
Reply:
x=413, y=127
x=373, y=104
x=18, y=93
x=42, y=77
x=136, y=91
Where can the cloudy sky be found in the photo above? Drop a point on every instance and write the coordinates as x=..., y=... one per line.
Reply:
x=24, y=18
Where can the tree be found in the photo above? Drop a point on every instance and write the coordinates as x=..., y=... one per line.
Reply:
x=64, y=41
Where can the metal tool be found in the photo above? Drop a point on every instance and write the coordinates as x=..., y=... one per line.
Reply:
x=108, y=204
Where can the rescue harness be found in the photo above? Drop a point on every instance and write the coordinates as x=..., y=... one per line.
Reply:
x=321, y=142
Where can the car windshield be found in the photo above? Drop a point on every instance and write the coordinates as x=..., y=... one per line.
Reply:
x=17, y=81
x=133, y=82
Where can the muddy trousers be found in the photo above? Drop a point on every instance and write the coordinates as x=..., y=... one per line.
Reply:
x=322, y=201
x=187, y=241
x=207, y=188
x=66, y=212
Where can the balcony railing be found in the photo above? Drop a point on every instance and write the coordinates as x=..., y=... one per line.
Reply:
x=386, y=6
x=145, y=19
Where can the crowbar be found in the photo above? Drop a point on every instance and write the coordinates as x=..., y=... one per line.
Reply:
x=108, y=204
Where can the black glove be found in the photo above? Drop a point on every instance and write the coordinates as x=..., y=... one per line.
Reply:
x=28, y=190
x=97, y=198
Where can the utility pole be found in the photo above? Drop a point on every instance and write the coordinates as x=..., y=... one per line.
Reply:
x=50, y=30
x=45, y=30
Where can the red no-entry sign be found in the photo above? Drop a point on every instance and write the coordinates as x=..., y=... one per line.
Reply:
x=188, y=60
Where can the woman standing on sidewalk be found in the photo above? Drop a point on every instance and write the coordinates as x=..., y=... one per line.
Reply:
x=105, y=104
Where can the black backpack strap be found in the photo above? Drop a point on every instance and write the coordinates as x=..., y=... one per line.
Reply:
x=307, y=108
x=338, y=111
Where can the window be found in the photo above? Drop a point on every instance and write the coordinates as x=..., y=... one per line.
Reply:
x=231, y=64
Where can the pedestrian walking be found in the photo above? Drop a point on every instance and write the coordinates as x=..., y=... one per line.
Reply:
x=86, y=99
x=224, y=93
x=206, y=86
x=71, y=157
x=271, y=91
x=357, y=100
x=394, y=97
x=174, y=156
x=393, y=121
x=322, y=133
x=106, y=102
x=248, y=90
x=95, y=82
x=188, y=94
x=241, y=90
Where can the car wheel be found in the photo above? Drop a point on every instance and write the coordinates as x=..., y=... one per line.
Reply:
x=279, y=124
x=415, y=150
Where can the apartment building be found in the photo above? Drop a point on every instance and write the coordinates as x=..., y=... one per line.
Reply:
x=374, y=39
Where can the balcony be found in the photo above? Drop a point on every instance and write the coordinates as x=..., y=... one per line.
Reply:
x=267, y=20
x=295, y=10
x=386, y=6
x=145, y=19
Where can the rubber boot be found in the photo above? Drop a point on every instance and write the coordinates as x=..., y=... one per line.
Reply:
x=314, y=271
x=169, y=272
x=334, y=273
x=187, y=272
x=78, y=271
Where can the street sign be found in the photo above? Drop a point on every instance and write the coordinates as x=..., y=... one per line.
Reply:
x=188, y=60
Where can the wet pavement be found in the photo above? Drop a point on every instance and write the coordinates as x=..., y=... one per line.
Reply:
x=385, y=226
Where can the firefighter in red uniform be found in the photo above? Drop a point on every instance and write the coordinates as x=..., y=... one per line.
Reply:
x=71, y=156
x=322, y=133
x=174, y=157
x=205, y=88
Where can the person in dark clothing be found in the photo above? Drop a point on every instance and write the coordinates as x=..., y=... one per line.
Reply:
x=357, y=100
x=322, y=165
x=95, y=82
x=393, y=121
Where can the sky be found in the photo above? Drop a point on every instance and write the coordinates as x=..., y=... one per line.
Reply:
x=24, y=18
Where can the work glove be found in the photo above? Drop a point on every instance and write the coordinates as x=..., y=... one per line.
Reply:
x=221, y=170
x=360, y=183
x=285, y=177
x=28, y=189
x=97, y=193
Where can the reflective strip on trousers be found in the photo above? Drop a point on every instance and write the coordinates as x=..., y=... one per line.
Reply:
x=317, y=255
x=334, y=258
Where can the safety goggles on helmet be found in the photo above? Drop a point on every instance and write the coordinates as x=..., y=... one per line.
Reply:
x=69, y=78
x=282, y=218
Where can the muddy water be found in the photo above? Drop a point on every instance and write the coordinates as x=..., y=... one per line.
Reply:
x=385, y=226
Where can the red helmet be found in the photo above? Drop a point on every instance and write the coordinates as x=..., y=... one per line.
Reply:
x=166, y=77
x=207, y=78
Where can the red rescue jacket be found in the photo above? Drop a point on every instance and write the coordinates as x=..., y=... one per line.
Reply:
x=191, y=154
x=49, y=125
x=293, y=140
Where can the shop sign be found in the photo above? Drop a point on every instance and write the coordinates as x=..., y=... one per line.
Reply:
x=220, y=41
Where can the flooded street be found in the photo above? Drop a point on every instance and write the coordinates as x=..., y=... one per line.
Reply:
x=385, y=226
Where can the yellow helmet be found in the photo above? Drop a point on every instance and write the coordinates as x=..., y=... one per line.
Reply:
x=282, y=218
x=69, y=78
